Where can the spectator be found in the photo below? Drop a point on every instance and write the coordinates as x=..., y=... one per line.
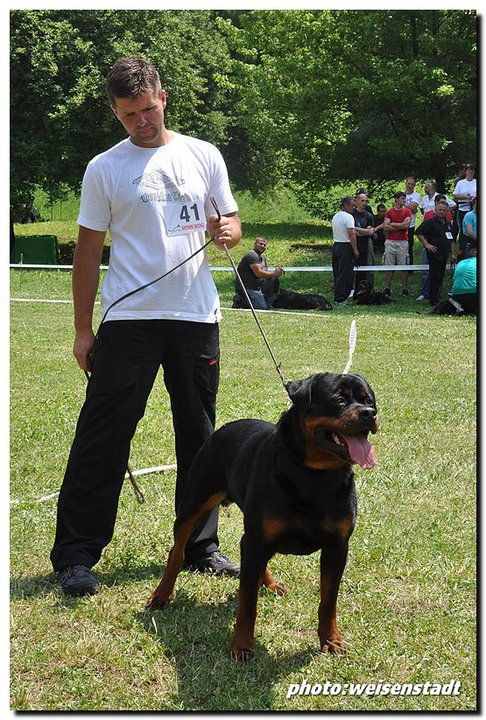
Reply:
x=397, y=222
x=379, y=224
x=464, y=288
x=364, y=228
x=362, y=191
x=468, y=239
x=427, y=202
x=259, y=282
x=464, y=192
x=344, y=250
x=424, y=294
x=174, y=324
x=461, y=174
x=412, y=202
x=435, y=234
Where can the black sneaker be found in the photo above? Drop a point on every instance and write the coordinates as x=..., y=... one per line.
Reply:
x=78, y=580
x=216, y=563
x=404, y=292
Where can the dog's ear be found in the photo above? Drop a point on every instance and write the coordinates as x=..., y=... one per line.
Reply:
x=300, y=392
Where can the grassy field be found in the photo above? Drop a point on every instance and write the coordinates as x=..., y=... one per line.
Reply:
x=407, y=605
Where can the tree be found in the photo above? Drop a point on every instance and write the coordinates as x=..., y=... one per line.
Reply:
x=331, y=96
x=59, y=62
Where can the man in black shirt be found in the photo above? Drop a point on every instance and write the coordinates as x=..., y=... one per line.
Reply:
x=259, y=282
x=436, y=236
x=364, y=227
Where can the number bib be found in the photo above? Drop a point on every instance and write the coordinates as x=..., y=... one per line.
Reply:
x=184, y=218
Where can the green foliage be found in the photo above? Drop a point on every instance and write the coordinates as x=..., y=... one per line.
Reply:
x=59, y=63
x=310, y=98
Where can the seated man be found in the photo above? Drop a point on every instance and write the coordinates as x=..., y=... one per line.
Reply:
x=259, y=282
x=464, y=291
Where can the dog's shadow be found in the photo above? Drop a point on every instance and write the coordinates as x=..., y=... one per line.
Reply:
x=196, y=638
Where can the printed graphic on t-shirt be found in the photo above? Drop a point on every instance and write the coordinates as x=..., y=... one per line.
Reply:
x=167, y=189
x=182, y=214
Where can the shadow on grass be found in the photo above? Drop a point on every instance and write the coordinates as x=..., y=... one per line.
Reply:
x=197, y=638
x=38, y=585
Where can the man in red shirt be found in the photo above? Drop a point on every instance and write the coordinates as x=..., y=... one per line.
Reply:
x=397, y=222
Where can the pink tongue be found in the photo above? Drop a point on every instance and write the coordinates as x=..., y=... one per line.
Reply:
x=360, y=450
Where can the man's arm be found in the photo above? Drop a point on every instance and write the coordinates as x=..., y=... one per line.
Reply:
x=352, y=240
x=259, y=271
x=470, y=232
x=86, y=277
x=426, y=244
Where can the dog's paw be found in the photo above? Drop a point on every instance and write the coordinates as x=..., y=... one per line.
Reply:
x=242, y=654
x=279, y=589
x=157, y=602
x=334, y=646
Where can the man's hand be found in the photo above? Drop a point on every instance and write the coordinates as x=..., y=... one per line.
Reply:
x=430, y=248
x=83, y=345
x=278, y=272
x=225, y=231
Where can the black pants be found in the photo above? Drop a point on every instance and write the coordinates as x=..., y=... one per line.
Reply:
x=342, y=269
x=437, y=267
x=364, y=258
x=126, y=360
x=411, y=236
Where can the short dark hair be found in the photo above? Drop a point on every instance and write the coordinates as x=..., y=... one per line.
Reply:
x=440, y=197
x=470, y=166
x=380, y=206
x=346, y=199
x=130, y=77
x=400, y=193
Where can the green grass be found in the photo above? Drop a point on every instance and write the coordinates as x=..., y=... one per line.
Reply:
x=407, y=605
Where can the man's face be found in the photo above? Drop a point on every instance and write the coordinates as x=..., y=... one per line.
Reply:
x=441, y=210
x=349, y=206
x=361, y=201
x=469, y=173
x=410, y=185
x=143, y=117
x=400, y=201
x=260, y=246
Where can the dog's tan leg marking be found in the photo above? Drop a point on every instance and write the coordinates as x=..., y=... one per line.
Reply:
x=164, y=592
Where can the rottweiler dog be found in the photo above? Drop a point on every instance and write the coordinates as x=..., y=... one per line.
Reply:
x=365, y=295
x=288, y=299
x=294, y=483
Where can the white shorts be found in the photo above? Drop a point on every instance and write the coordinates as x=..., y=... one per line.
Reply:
x=396, y=252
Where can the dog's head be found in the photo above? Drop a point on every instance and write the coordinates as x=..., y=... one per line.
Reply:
x=364, y=288
x=337, y=413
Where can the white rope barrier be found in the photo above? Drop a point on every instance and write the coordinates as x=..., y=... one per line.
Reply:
x=224, y=268
x=135, y=473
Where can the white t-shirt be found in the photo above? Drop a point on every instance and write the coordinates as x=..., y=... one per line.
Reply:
x=154, y=202
x=412, y=197
x=340, y=224
x=464, y=187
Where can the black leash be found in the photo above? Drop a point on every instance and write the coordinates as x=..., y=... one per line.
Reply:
x=247, y=297
x=138, y=493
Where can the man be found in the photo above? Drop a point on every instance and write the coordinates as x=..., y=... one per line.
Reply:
x=259, y=282
x=425, y=290
x=436, y=236
x=151, y=191
x=364, y=229
x=464, y=191
x=397, y=222
x=379, y=224
x=344, y=250
x=412, y=200
x=464, y=291
x=461, y=174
